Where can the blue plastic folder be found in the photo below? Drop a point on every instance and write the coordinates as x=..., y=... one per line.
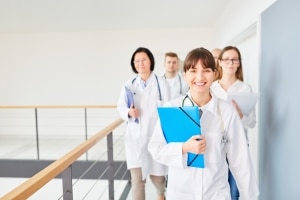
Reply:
x=129, y=96
x=130, y=101
x=178, y=125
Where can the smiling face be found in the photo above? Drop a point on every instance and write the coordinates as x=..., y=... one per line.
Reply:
x=142, y=63
x=199, y=78
x=199, y=67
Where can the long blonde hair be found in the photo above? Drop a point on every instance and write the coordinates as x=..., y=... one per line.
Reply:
x=239, y=72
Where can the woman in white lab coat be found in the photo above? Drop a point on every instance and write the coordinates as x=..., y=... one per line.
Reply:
x=230, y=79
x=137, y=105
x=222, y=136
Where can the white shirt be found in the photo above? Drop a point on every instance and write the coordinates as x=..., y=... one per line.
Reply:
x=177, y=85
x=211, y=182
x=138, y=135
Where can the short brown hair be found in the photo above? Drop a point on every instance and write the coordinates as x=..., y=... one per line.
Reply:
x=197, y=54
x=171, y=54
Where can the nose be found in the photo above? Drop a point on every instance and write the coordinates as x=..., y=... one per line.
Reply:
x=200, y=74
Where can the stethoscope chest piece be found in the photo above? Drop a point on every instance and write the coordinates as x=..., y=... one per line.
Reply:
x=224, y=140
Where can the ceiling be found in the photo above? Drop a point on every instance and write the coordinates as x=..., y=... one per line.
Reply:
x=92, y=15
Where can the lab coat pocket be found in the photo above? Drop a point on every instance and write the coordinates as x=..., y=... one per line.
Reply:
x=153, y=114
x=132, y=132
x=214, y=147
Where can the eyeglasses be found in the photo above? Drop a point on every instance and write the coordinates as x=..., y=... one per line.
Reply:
x=234, y=61
x=140, y=61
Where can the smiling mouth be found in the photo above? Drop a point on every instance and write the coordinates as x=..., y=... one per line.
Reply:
x=200, y=83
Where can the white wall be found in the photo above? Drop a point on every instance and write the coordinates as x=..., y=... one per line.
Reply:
x=280, y=97
x=86, y=68
x=90, y=67
x=236, y=18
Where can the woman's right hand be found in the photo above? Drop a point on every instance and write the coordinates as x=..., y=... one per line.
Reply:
x=133, y=112
x=196, y=144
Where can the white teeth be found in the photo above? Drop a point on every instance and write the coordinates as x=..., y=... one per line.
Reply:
x=201, y=83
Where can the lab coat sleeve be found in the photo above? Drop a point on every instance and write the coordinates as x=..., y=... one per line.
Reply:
x=248, y=121
x=239, y=159
x=167, y=154
x=122, y=105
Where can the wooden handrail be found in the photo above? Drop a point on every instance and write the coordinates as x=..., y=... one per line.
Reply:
x=58, y=106
x=36, y=182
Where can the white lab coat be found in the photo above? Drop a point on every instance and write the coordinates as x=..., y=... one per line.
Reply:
x=211, y=182
x=238, y=86
x=138, y=135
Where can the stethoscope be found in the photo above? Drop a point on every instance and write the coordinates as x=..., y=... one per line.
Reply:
x=184, y=99
x=159, y=91
x=224, y=140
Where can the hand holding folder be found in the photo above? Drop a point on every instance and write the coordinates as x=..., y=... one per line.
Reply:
x=178, y=125
x=130, y=101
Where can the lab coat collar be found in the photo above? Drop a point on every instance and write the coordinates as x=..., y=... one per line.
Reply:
x=149, y=80
x=211, y=106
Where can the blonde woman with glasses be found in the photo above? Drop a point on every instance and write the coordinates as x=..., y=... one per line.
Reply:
x=229, y=79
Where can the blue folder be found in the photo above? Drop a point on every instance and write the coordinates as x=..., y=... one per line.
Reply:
x=130, y=101
x=129, y=96
x=178, y=125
